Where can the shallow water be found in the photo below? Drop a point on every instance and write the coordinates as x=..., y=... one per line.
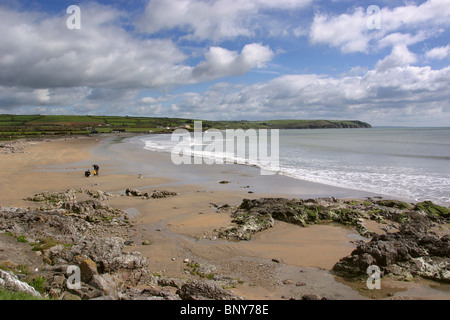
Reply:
x=411, y=163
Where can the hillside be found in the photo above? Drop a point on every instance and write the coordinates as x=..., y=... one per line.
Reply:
x=20, y=126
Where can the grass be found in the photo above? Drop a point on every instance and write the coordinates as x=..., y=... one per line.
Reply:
x=16, y=295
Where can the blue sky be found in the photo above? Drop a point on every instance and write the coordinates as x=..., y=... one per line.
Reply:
x=229, y=59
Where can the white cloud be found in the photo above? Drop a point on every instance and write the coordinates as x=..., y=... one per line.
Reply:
x=37, y=54
x=347, y=31
x=438, y=53
x=220, y=62
x=406, y=25
x=106, y=68
x=402, y=93
x=399, y=57
x=213, y=20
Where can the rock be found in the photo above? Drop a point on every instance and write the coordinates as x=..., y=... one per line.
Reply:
x=54, y=293
x=311, y=296
x=148, y=293
x=106, y=297
x=86, y=292
x=432, y=210
x=58, y=282
x=105, y=283
x=68, y=232
x=205, y=290
x=88, y=270
x=256, y=215
x=413, y=250
x=69, y=296
x=156, y=194
x=171, y=282
x=133, y=192
x=162, y=194
x=11, y=282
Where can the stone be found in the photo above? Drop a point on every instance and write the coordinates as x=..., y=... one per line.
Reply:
x=88, y=269
x=311, y=296
x=58, y=281
x=69, y=296
x=106, y=284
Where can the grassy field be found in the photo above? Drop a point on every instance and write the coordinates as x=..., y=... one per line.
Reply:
x=21, y=126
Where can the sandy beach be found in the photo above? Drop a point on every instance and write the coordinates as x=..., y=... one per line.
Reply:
x=284, y=261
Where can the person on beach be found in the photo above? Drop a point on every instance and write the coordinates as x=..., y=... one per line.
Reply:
x=87, y=173
x=96, y=167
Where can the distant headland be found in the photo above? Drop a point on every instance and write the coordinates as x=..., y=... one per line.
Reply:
x=23, y=126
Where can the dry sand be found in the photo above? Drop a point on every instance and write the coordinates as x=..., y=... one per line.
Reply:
x=285, y=261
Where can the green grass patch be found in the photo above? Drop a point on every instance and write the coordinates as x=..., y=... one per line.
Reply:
x=45, y=244
x=16, y=295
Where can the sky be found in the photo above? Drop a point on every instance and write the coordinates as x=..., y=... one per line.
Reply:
x=383, y=62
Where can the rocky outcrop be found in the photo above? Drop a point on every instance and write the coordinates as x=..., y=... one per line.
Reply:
x=12, y=147
x=410, y=252
x=82, y=244
x=88, y=235
x=256, y=215
x=156, y=194
x=10, y=281
x=259, y=214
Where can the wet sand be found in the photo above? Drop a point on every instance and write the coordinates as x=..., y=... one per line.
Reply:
x=282, y=262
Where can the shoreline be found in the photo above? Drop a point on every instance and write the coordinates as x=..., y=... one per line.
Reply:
x=236, y=176
x=181, y=227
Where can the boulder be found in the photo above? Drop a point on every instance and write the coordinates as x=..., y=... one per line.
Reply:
x=88, y=270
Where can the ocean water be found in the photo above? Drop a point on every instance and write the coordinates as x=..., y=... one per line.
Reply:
x=411, y=163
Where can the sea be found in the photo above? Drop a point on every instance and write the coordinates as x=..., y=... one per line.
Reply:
x=412, y=163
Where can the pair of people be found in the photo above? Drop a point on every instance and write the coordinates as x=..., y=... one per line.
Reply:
x=87, y=173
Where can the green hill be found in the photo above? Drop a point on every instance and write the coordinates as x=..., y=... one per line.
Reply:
x=20, y=126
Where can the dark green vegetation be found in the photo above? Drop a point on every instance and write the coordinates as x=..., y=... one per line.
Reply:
x=21, y=126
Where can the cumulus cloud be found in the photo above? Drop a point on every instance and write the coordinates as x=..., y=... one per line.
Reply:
x=109, y=68
x=36, y=53
x=402, y=92
x=346, y=31
x=213, y=20
x=220, y=62
x=400, y=25
x=42, y=59
x=399, y=57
